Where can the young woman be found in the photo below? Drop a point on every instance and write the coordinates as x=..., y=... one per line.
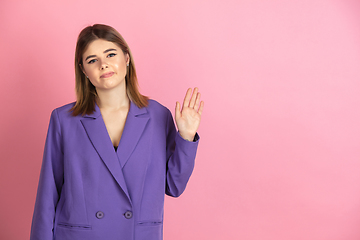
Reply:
x=111, y=156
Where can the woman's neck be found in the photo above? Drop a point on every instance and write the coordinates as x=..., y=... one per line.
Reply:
x=113, y=99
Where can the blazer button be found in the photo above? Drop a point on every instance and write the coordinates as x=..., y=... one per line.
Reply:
x=99, y=214
x=128, y=214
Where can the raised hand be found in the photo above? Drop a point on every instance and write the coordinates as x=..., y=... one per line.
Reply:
x=188, y=117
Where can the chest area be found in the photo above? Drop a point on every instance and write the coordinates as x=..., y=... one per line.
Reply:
x=115, y=124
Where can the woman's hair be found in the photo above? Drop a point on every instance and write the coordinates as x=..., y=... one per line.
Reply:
x=85, y=91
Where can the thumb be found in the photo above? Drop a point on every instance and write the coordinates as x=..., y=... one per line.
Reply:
x=177, y=110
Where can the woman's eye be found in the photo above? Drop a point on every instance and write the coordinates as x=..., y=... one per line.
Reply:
x=112, y=55
x=91, y=61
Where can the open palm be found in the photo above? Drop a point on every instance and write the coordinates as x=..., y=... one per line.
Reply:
x=188, y=117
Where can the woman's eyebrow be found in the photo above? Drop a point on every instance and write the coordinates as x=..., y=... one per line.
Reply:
x=107, y=50
x=90, y=56
x=110, y=49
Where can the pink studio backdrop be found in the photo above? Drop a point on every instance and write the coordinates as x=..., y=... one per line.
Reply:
x=279, y=156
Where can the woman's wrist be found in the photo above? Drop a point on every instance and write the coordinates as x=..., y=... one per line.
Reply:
x=188, y=137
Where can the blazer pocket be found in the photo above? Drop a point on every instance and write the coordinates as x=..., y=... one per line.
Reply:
x=74, y=226
x=150, y=223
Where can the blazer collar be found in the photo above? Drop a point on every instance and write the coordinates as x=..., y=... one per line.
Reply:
x=96, y=130
x=136, y=121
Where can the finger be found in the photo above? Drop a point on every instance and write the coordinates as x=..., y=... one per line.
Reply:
x=187, y=98
x=201, y=107
x=197, y=101
x=193, y=98
x=177, y=110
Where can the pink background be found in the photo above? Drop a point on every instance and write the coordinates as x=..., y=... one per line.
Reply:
x=279, y=156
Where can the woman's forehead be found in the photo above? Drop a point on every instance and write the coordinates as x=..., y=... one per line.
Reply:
x=99, y=46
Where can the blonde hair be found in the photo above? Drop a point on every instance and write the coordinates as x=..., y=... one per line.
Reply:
x=85, y=91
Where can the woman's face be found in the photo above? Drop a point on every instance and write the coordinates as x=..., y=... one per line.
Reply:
x=105, y=64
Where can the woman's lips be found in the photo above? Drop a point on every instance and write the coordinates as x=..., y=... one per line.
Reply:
x=107, y=75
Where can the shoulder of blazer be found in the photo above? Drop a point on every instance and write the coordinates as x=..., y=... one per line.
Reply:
x=63, y=112
x=155, y=107
x=65, y=109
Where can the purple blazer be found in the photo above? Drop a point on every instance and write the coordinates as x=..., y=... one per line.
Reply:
x=88, y=191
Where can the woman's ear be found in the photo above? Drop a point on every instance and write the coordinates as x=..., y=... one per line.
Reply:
x=127, y=59
x=82, y=68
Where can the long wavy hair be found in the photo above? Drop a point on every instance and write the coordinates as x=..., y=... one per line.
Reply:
x=85, y=91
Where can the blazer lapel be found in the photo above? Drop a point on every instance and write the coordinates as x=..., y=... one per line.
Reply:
x=96, y=130
x=134, y=127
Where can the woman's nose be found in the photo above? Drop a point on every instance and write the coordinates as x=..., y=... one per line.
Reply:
x=103, y=64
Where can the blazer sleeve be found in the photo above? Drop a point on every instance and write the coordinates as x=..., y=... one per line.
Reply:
x=180, y=159
x=50, y=183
